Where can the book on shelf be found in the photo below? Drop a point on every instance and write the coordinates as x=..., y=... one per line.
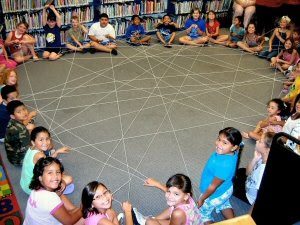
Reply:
x=120, y=10
x=186, y=6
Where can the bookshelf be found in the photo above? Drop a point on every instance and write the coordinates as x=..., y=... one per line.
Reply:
x=180, y=9
x=120, y=12
x=15, y=11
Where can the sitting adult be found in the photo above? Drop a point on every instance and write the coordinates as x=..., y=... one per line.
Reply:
x=246, y=7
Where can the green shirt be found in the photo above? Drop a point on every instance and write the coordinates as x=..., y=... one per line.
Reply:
x=78, y=34
x=17, y=140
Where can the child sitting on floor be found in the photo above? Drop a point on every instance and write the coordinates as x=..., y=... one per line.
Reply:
x=195, y=29
x=40, y=143
x=17, y=138
x=252, y=42
x=103, y=36
x=51, y=25
x=166, y=31
x=213, y=28
x=247, y=180
x=286, y=58
x=276, y=108
x=237, y=33
x=135, y=33
x=21, y=44
x=75, y=36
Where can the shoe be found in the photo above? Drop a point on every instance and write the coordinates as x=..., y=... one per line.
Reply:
x=84, y=50
x=267, y=39
x=69, y=189
x=92, y=50
x=286, y=73
x=114, y=52
x=63, y=51
x=139, y=217
x=2, y=140
x=168, y=46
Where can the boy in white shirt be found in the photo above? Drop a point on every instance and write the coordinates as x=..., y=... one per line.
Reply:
x=103, y=36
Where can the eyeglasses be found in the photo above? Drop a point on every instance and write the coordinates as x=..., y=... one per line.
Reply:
x=101, y=197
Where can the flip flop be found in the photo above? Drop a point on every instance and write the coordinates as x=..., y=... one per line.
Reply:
x=69, y=189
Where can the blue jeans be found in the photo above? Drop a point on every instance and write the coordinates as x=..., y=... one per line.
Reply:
x=268, y=55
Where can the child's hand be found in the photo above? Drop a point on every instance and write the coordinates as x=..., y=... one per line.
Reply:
x=151, y=182
x=63, y=150
x=200, y=202
x=32, y=114
x=107, y=36
x=30, y=127
x=126, y=206
x=270, y=49
x=52, y=7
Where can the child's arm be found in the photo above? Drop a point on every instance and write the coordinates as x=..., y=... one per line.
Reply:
x=257, y=156
x=210, y=190
x=111, y=34
x=126, y=206
x=44, y=15
x=272, y=39
x=58, y=17
x=75, y=40
x=290, y=62
x=67, y=217
x=150, y=182
x=174, y=24
x=83, y=28
x=30, y=40
x=8, y=40
x=262, y=40
x=62, y=150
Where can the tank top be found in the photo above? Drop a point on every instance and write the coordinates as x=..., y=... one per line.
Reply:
x=192, y=212
x=277, y=43
x=252, y=40
x=94, y=218
x=15, y=47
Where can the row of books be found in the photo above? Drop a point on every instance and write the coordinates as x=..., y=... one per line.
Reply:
x=181, y=19
x=218, y=5
x=35, y=19
x=114, y=1
x=117, y=10
x=186, y=6
x=149, y=7
x=10, y=6
x=66, y=3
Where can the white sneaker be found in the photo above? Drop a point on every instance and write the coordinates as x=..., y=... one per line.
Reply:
x=2, y=140
x=140, y=218
x=267, y=39
x=120, y=216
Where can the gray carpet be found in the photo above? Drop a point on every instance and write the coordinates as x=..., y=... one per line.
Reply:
x=148, y=112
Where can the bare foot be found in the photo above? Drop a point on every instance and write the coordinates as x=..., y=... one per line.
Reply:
x=245, y=135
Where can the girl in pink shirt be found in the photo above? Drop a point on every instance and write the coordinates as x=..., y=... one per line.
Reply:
x=96, y=202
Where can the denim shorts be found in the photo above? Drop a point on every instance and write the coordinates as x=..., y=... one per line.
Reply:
x=219, y=203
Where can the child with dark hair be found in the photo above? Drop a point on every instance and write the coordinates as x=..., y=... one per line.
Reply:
x=247, y=180
x=45, y=205
x=166, y=31
x=216, y=181
x=103, y=36
x=135, y=33
x=237, y=33
x=51, y=25
x=96, y=206
x=276, y=109
x=182, y=208
x=252, y=43
x=8, y=94
x=286, y=58
x=41, y=143
x=21, y=44
x=17, y=137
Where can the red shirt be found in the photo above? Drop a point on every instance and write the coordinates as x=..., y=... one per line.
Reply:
x=212, y=29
